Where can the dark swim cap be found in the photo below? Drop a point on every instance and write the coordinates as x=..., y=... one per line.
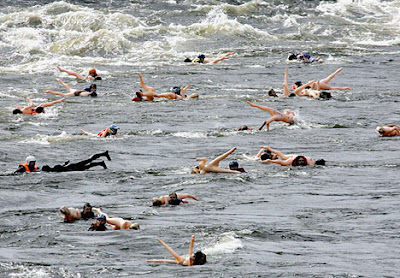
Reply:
x=102, y=216
x=201, y=56
x=17, y=111
x=176, y=90
x=233, y=164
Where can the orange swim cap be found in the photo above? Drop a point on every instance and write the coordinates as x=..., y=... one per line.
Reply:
x=92, y=71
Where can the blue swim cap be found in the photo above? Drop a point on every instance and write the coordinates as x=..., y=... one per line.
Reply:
x=233, y=164
x=102, y=216
x=201, y=56
x=176, y=90
x=114, y=127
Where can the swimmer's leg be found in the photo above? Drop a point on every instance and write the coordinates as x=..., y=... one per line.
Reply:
x=218, y=159
x=68, y=88
x=57, y=93
x=329, y=78
x=77, y=75
x=47, y=104
x=170, y=250
x=94, y=164
x=270, y=110
x=222, y=170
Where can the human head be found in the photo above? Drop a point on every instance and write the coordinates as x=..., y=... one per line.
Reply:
x=201, y=57
x=243, y=127
x=176, y=90
x=199, y=258
x=64, y=210
x=234, y=165
x=93, y=87
x=113, y=129
x=195, y=170
x=87, y=208
x=288, y=112
x=297, y=84
x=292, y=57
x=39, y=109
x=194, y=95
x=93, y=94
x=134, y=226
x=17, y=111
x=325, y=95
x=299, y=161
x=320, y=162
x=31, y=161
x=46, y=168
x=101, y=219
x=265, y=156
x=92, y=72
x=173, y=196
x=272, y=93
x=157, y=202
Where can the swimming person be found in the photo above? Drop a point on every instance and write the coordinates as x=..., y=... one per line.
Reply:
x=264, y=154
x=287, y=116
x=388, y=130
x=71, y=214
x=300, y=89
x=198, y=258
x=37, y=110
x=173, y=199
x=79, y=166
x=176, y=93
x=302, y=57
x=99, y=224
x=27, y=167
x=118, y=223
x=323, y=83
x=291, y=159
x=213, y=166
x=112, y=130
x=201, y=59
x=92, y=75
x=149, y=92
x=91, y=91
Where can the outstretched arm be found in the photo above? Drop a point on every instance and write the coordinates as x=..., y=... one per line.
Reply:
x=146, y=88
x=280, y=154
x=280, y=162
x=191, y=249
x=161, y=261
x=286, y=91
x=186, y=195
x=302, y=87
x=55, y=93
x=52, y=103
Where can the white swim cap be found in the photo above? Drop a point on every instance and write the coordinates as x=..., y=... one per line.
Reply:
x=30, y=158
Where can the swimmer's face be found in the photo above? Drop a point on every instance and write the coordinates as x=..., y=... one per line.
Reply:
x=101, y=221
x=32, y=164
x=196, y=170
x=113, y=131
x=87, y=210
x=173, y=197
x=302, y=161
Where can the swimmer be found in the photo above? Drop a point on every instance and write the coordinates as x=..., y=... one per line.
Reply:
x=287, y=116
x=91, y=91
x=234, y=165
x=198, y=258
x=177, y=93
x=118, y=223
x=297, y=90
x=37, y=110
x=71, y=214
x=313, y=93
x=302, y=57
x=243, y=127
x=92, y=75
x=388, y=130
x=148, y=95
x=79, y=166
x=99, y=224
x=201, y=59
x=27, y=167
x=291, y=159
x=112, y=130
x=264, y=154
x=173, y=199
x=323, y=83
x=213, y=166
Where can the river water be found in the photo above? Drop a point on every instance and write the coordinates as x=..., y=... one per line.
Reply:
x=338, y=220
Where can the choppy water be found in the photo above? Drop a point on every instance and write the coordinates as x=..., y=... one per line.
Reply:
x=340, y=220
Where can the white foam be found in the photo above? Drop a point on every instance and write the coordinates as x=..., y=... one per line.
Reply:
x=227, y=243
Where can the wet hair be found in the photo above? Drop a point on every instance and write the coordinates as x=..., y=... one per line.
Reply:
x=93, y=87
x=46, y=168
x=199, y=258
x=176, y=90
x=325, y=95
x=17, y=111
x=98, y=78
x=296, y=161
x=243, y=127
x=39, y=109
x=233, y=165
x=201, y=56
x=381, y=130
x=87, y=205
x=292, y=57
x=157, y=202
x=320, y=162
x=298, y=83
x=272, y=93
x=266, y=156
x=292, y=95
x=187, y=60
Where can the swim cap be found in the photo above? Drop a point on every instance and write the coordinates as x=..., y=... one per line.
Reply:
x=114, y=127
x=201, y=56
x=102, y=216
x=233, y=164
x=92, y=71
x=176, y=90
x=30, y=158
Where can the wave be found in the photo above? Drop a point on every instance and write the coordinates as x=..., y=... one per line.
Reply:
x=226, y=243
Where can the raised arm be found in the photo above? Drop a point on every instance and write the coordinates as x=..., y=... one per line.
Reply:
x=280, y=162
x=280, y=154
x=142, y=83
x=191, y=250
x=218, y=159
x=30, y=105
x=286, y=91
x=183, y=90
x=52, y=103
x=302, y=87
x=178, y=258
